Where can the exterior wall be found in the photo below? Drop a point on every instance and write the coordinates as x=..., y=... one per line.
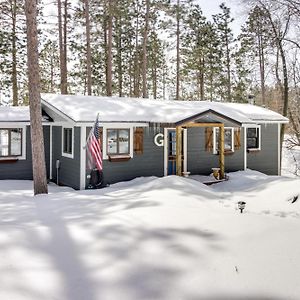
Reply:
x=150, y=163
x=266, y=160
x=200, y=161
x=22, y=169
x=69, y=171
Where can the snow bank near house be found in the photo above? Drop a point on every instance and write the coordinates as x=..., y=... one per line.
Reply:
x=291, y=161
x=152, y=238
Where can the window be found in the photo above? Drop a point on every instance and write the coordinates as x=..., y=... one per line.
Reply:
x=117, y=141
x=228, y=139
x=253, y=138
x=67, y=142
x=11, y=142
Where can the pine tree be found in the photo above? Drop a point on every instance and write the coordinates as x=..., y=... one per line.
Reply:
x=37, y=140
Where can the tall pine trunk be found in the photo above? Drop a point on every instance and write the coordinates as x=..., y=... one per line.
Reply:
x=37, y=139
x=88, y=47
x=145, y=39
x=62, y=32
x=178, y=51
x=109, y=50
x=14, y=53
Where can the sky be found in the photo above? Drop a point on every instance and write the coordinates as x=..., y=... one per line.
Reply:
x=211, y=7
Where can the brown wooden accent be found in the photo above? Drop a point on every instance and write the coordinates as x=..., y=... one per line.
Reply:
x=138, y=142
x=202, y=125
x=221, y=152
x=118, y=158
x=179, y=145
x=237, y=138
x=209, y=139
x=179, y=150
x=8, y=161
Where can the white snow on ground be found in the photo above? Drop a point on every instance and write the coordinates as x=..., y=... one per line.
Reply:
x=291, y=161
x=152, y=238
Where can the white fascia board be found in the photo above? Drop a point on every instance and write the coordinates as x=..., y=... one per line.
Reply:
x=14, y=124
x=112, y=124
x=82, y=157
x=264, y=122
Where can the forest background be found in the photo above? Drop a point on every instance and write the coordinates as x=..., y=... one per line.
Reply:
x=166, y=49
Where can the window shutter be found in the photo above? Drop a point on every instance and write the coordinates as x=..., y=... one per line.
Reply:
x=209, y=139
x=237, y=138
x=138, y=140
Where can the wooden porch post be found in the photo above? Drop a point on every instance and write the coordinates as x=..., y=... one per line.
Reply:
x=178, y=150
x=221, y=151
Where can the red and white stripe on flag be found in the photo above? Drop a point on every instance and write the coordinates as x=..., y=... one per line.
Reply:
x=94, y=148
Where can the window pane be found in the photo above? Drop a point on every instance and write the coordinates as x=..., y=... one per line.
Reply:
x=123, y=141
x=111, y=141
x=3, y=142
x=217, y=139
x=228, y=139
x=68, y=140
x=251, y=132
x=16, y=141
x=252, y=143
x=252, y=138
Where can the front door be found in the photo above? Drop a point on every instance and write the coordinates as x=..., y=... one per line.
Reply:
x=170, y=151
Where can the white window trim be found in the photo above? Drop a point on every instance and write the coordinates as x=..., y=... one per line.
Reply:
x=215, y=150
x=68, y=155
x=23, y=127
x=259, y=138
x=116, y=126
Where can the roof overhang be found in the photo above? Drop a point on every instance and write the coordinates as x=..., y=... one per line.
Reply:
x=207, y=119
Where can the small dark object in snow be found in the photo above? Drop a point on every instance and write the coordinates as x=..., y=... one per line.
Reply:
x=241, y=206
x=295, y=198
x=236, y=269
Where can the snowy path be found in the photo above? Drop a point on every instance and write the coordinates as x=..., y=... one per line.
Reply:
x=152, y=238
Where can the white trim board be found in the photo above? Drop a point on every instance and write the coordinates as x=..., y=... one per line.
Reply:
x=24, y=140
x=82, y=157
x=68, y=155
x=166, y=146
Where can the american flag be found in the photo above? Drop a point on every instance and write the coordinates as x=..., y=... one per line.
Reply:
x=94, y=148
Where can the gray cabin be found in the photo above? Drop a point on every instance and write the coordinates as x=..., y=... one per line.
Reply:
x=141, y=137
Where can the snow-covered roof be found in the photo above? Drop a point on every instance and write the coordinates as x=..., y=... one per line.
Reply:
x=14, y=114
x=116, y=109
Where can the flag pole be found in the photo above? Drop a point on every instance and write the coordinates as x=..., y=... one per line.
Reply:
x=84, y=147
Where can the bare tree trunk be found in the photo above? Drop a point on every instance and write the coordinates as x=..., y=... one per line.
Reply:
x=228, y=69
x=14, y=53
x=145, y=39
x=178, y=51
x=136, y=84
x=262, y=70
x=279, y=37
x=88, y=48
x=120, y=71
x=62, y=48
x=37, y=139
x=109, y=50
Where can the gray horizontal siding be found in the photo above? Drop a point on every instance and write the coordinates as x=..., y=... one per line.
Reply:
x=69, y=171
x=266, y=160
x=200, y=161
x=150, y=163
x=22, y=169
